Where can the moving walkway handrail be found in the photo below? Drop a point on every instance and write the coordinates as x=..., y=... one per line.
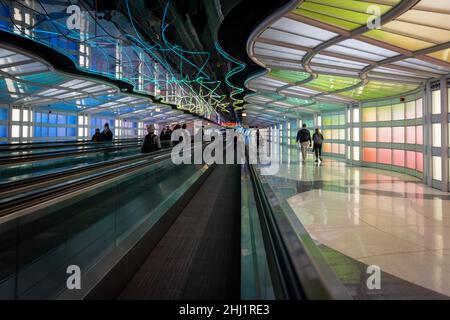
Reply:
x=58, y=154
x=298, y=269
x=67, y=173
x=58, y=144
x=22, y=201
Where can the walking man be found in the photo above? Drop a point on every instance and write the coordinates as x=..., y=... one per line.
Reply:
x=304, y=140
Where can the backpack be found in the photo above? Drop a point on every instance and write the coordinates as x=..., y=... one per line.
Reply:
x=151, y=145
x=317, y=139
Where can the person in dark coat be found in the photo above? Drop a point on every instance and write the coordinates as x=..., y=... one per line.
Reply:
x=97, y=136
x=107, y=134
x=151, y=140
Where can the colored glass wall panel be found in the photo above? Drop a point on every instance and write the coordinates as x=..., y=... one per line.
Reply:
x=411, y=160
x=411, y=110
x=398, y=135
x=398, y=112
x=327, y=134
x=369, y=115
x=342, y=149
x=411, y=135
x=335, y=148
x=385, y=135
x=419, y=161
x=370, y=154
x=384, y=113
x=384, y=156
x=419, y=108
x=370, y=134
x=419, y=135
x=398, y=158
x=327, y=147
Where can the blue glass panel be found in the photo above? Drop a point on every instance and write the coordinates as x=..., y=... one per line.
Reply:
x=37, y=117
x=3, y=114
x=71, y=132
x=3, y=131
x=37, y=132
x=44, y=117
x=52, y=132
x=44, y=132
x=71, y=119
x=62, y=119
x=52, y=118
x=61, y=132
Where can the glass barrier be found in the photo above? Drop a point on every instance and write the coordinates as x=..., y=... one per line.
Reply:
x=86, y=230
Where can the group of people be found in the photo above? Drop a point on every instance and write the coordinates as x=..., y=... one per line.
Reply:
x=305, y=141
x=152, y=141
x=105, y=135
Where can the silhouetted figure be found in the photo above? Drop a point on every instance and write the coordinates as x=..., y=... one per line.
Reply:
x=318, y=141
x=151, y=140
x=304, y=140
x=97, y=136
x=107, y=134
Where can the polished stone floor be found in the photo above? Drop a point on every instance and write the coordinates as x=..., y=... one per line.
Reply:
x=364, y=216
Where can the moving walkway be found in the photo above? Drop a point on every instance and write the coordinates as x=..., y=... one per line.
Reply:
x=194, y=231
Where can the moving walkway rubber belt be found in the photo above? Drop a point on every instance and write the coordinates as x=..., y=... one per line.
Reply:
x=25, y=201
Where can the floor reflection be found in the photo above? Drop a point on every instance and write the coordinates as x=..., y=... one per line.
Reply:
x=372, y=217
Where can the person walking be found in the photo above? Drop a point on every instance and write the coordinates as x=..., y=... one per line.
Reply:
x=318, y=141
x=304, y=140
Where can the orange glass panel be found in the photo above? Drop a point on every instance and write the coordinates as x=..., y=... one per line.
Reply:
x=370, y=154
x=327, y=147
x=370, y=134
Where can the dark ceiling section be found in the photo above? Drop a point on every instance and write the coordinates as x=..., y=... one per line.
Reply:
x=237, y=27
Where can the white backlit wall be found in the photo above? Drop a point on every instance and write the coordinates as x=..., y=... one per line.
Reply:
x=21, y=128
x=437, y=135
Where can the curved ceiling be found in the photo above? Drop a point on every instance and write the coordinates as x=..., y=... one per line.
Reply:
x=28, y=80
x=332, y=52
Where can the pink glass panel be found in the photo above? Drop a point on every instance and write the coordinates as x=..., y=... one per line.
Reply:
x=385, y=135
x=411, y=160
x=398, y=135
x=419, y=161
x=419, y=135
x=384, y=156
x=411, y=135
x=398, y=158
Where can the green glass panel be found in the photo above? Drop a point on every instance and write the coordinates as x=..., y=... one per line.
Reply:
x=48, y=78
x=377, y=89
x=288, y=75
x=330, y=83
x=398, y=40
x=327, y=19
x=352, y=5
